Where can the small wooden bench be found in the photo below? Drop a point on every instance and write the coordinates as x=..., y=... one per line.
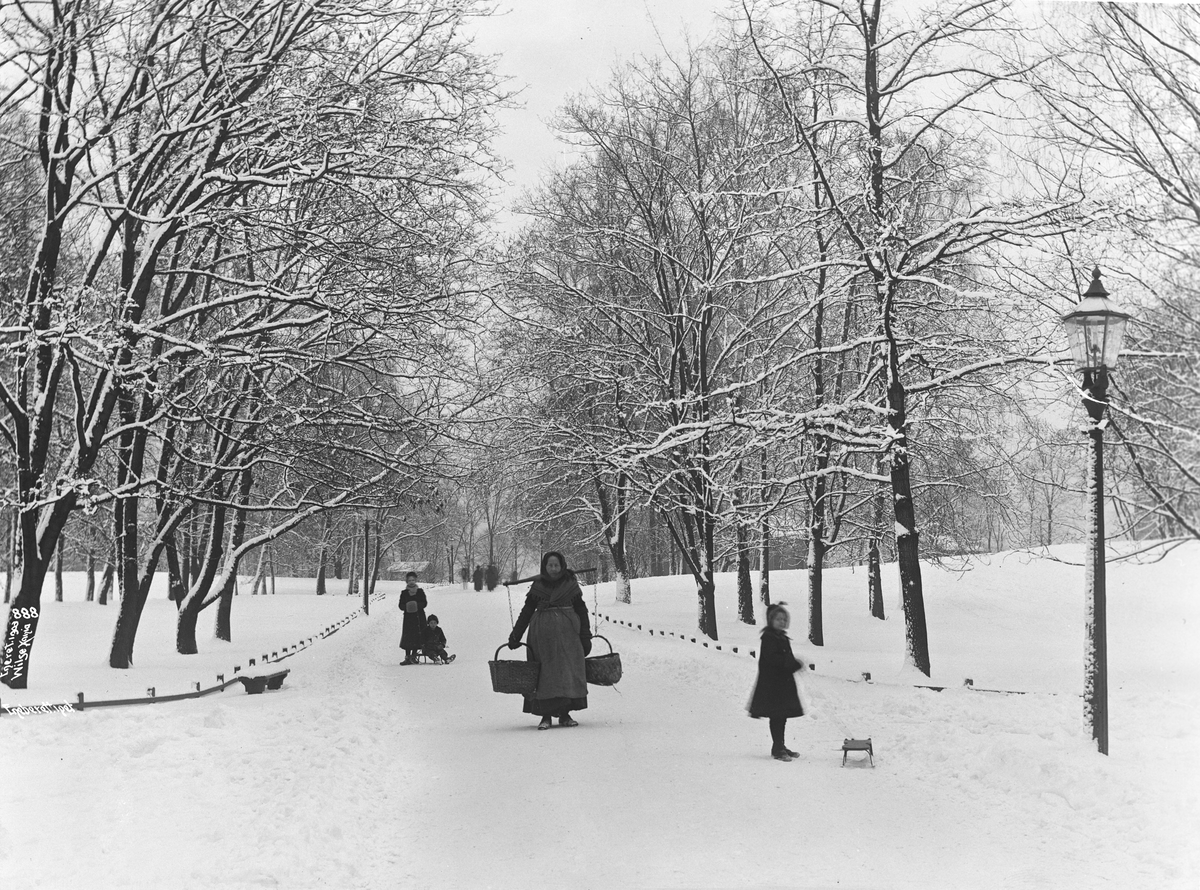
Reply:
x=849, y=745
x=255, y=685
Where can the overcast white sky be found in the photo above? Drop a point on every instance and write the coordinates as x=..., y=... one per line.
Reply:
x=554, y=48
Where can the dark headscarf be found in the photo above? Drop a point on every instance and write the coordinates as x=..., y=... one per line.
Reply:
x=562, y=561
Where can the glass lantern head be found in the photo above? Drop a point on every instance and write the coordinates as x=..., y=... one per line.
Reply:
x=1095, y=328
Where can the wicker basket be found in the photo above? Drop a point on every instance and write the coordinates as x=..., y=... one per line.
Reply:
x=517, y=677
x=603, y=670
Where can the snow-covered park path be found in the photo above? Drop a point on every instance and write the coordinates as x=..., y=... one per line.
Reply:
x=361, y=773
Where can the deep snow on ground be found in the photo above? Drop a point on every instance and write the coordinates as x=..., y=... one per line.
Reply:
x=361, y=773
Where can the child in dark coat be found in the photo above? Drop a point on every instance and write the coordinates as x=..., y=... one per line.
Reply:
x=775, y=695
x=435, y=642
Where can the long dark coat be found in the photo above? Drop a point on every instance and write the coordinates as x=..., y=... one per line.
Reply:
x=413, y=633
x=775, y=692
x=559, y=639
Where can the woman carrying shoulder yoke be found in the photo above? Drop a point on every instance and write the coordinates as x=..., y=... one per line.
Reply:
x=559, y=640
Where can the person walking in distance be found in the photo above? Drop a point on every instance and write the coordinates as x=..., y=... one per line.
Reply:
x=775, y=695
x=559, y=640
x=412, y=603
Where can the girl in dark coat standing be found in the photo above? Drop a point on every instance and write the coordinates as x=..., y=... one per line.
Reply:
x=412, y=604
x=559, y=639
x=775, y=696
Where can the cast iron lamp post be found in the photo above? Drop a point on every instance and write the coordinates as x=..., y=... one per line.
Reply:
x=1095, y=329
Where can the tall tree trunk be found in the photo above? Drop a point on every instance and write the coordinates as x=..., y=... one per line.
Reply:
x=908, y=556
x=130, y=459
x=58, y=572
x=187, y=569
x=816, y=579
x=129, y=613
x=817, y=528
x=195, y=601
x=745, y=586
x=694, y=546
x=321, y=573
x=185, y=627
x=652, y=534
x=366, y=562
x=614, y=520
x=176, y=583
x=874, y=576
x=259, y=571
x=121, y=650
x=377, y=564
x=90, y=593
x=764, y=538
x=764, y=560
x=323, y=554
x=706, y=611
x=874, y=581
x=622, y=586
x=106, y=582
x=40, y=531
x=745, y=589
x=707, y=586
x=237, y=535
x=352, y=587
x=817, y=548
x=907, y=537
x=10, y=547
x=21, y=627
x=223, y=630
